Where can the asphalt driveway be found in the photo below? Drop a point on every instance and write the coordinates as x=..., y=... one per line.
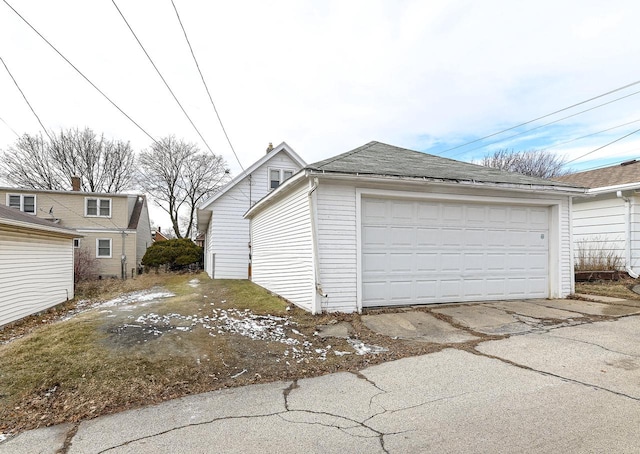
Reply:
x=568, y=383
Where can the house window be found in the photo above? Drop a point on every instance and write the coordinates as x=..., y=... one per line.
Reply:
x=278, y=176
x=76, y=243
x=26, y=203
x=103, y=248
x=98, y=207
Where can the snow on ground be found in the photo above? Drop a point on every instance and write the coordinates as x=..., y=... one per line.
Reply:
x=3, y=437
x=142, y=296
x=194, y=283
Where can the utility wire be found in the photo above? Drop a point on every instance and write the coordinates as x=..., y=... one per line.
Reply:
x=26, y=100
x=589, y=135
x=549, y=123
x=81, y=73
x=12, y=130
x=161, y=76
x=205, y=86
x=540, y=118
x=603, y=146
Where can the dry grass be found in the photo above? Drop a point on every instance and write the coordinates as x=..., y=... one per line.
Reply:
x=96, y=363
x=616, y=289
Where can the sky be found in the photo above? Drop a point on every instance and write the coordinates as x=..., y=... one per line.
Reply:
x=329, y=76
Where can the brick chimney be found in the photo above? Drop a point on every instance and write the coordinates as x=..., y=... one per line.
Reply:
x=269, y=148
x=75, y=183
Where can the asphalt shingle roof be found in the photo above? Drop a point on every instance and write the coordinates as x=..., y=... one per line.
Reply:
x=12, y=214
x=377, y=158
x=624, y=173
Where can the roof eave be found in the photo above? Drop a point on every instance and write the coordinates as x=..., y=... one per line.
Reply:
x=614, y=188
x=450, y=182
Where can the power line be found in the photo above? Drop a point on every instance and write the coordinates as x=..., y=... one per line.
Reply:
x=12, y=130
x=589, y=135
x=80, y=72
x=603, y=146
x=205, y=85
x=549, y=123
x=540, y=118
x=26, y=100
x=611, y=164
x=161, y=76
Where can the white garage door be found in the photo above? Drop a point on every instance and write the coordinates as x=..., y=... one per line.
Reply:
x=417, y=252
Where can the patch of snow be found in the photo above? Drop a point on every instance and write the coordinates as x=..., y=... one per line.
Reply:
x=339, y=353
x=3, y=437
x=362, y=349
x=194, y=283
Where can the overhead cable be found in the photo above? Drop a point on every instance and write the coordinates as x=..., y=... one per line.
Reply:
x=205, y=86
x=541, y=117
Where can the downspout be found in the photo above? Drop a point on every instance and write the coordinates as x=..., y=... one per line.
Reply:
x=627, y=234
x=316, y=263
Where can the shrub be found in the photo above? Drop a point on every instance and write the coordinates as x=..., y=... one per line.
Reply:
x=596, y=254
x=85, y=265
x=175, y=254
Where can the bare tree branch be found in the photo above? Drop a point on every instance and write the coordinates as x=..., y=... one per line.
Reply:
x=103, y=165
x=535, y=163
x=178, y=176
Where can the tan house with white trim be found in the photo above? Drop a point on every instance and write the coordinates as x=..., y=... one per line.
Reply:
x=115, y=228
x=36, y=264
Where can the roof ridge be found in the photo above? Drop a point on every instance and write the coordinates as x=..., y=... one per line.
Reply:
x=348, y=153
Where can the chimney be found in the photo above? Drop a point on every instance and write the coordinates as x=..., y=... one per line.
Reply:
x=269, y=148
x=159, y=229
x=75, y=183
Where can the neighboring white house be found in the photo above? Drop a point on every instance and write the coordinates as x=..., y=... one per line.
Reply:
x=608, y=223
x=226, y=245
x=36, y=264
x=384, y=226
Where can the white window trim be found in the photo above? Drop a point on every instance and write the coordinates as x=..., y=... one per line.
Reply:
x=76, y=241
x=22, y=196
x=97, y=215
x=98, y=256
x=281, y=171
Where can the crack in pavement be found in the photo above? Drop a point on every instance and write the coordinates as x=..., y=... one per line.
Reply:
x=551, y=374
x=594, y=344
x=68, y=439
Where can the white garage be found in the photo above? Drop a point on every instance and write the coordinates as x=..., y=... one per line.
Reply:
x=36, y=264
x=416, y=252
x=385, y=226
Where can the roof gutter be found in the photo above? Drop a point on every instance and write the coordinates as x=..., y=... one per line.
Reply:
x=617, y=187
x=568, y=190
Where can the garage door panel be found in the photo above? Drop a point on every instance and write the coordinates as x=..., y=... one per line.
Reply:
x=402, y=236
x=424, y=252
x=374, y=235
x=402, y=262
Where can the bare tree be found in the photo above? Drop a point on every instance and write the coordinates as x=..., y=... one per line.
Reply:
x=178, y=176
x=535, y=163
x=36, y=162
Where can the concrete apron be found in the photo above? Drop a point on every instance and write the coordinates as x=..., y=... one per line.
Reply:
x=456, y=323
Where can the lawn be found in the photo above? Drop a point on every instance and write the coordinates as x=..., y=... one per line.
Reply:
x=616, y=289
x=126, y=344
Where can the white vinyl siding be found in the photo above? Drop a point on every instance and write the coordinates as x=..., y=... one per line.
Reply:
x=36, y=272
x=282, y=249
x=227, y=243
x=23, y=202
x=336, y=237
x=599, y=227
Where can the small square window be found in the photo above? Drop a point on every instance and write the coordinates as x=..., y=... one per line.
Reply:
x=286, y=174
x=103, y=247
x=98, y=207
